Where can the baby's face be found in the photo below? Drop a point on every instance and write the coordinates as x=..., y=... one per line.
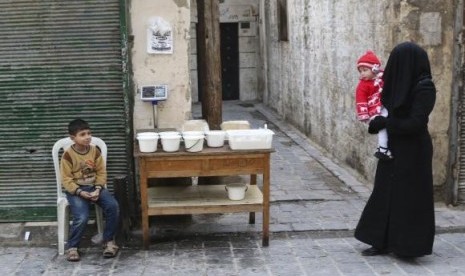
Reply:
x=366, y=73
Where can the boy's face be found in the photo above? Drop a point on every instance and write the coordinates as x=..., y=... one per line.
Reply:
x=366, y=73
x=82, y=137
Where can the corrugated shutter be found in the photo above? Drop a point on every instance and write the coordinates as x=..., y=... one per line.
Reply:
x=59, y=60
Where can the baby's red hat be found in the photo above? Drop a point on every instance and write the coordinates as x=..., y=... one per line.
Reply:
x=369, y=59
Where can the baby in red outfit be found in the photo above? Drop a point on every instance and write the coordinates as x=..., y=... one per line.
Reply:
x=368, y=98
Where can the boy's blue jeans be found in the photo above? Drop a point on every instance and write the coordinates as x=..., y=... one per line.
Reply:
x=80, y=210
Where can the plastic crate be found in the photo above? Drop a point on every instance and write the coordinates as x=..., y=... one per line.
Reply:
x=246, y=139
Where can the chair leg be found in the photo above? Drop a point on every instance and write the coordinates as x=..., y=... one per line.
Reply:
x=99, y=218
x=67, y=222
x=62, y=229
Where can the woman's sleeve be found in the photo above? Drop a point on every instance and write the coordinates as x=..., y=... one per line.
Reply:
x=417, y=119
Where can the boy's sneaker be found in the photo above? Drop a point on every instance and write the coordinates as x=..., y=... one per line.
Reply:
x=110, y=249
x=383, y=154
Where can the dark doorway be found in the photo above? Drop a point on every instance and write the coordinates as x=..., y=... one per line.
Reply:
x=230, y=60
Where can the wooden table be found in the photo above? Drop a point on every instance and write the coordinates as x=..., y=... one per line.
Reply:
x=201, y=199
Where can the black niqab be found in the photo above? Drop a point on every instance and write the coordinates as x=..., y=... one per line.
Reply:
x=407, y=65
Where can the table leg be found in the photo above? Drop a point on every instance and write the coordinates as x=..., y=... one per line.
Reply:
x=266, y=201
x=144, y=205
x=253, y=181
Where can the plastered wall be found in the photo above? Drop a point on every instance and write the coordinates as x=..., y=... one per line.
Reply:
x=170, y=69
x=310, y=80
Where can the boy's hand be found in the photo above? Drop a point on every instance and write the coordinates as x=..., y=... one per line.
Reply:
x=93, y=196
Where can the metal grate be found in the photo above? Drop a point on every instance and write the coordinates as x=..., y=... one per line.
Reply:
x=59, y=60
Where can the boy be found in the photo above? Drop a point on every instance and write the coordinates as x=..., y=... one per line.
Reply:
x=84, y=176
x=368, y=98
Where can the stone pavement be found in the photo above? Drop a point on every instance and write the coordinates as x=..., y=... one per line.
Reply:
x=315, y=206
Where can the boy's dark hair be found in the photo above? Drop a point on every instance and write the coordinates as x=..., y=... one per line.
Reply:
x=77, y=125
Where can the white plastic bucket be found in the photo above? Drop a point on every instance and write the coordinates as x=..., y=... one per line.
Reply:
x=170, y=141
x=148, y=142
x=236, y=191
x=193, y=143
x=215, y=138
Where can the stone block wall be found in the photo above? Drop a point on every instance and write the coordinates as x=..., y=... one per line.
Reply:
x=310, y=79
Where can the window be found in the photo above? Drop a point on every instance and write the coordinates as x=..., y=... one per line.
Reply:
x=282, y=20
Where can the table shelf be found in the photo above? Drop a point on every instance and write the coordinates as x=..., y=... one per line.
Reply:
x=199, y=199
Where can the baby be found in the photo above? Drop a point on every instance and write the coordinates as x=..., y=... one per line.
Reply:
x=368, y=98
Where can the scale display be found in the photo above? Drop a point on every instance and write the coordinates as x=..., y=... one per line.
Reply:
x=154, y=92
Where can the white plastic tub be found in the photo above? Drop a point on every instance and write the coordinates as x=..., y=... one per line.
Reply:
x=147, y=141
x=236, y=191
x=215, y=138
x=193, y=143
x=170, y=141
x=246, y=139
x=195, y=125
x=230, y=125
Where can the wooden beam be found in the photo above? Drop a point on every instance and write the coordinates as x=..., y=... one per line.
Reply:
x=209, y=61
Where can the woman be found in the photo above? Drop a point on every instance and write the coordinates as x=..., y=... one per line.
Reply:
x=399, y=215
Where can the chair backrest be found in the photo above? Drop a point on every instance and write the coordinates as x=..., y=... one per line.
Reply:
x=64, y=144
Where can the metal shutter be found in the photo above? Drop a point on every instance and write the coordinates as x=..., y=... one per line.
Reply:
x=59, y=60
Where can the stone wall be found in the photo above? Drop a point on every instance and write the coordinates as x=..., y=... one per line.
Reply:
x=310, y=79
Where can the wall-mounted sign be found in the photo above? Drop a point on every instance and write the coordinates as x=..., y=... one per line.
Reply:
x=159, y=36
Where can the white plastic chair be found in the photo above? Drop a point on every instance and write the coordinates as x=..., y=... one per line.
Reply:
x=62, y=202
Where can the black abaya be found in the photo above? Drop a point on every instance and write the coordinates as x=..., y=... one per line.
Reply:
x=399, y=215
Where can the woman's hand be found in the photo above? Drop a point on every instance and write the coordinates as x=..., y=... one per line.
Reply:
x=377, y=124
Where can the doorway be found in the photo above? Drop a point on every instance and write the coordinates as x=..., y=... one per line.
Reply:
x=229, y=60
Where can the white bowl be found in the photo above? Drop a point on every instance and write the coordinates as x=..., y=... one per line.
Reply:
x=236, y=191
x=215, y=138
